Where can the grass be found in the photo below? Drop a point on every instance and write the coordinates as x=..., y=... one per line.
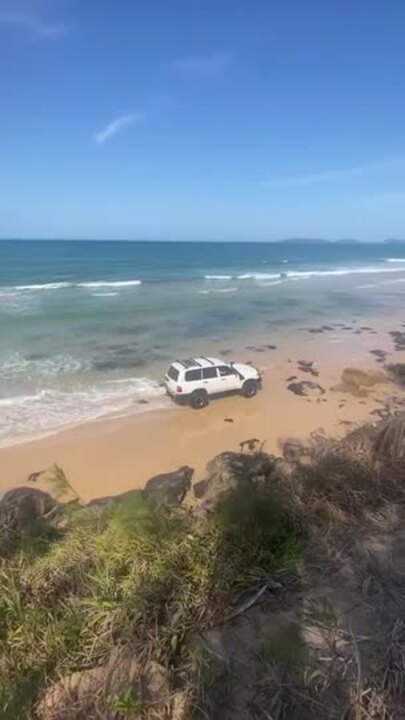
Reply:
x=328, y=641
x=134, y=574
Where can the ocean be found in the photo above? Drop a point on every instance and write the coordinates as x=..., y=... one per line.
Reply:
x=87, y=329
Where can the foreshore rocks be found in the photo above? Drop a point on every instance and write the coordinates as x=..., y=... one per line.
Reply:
x=399, y=339
x=307, y=366
x=306, y=388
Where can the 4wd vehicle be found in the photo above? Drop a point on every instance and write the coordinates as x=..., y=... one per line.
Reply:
x=196, y=380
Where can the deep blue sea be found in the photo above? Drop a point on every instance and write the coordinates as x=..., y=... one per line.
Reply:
x=88, y=328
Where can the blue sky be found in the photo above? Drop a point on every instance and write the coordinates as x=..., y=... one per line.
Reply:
x=202, y=119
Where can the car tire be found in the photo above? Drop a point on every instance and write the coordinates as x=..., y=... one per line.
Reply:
x=199, y=399
x=249, y=388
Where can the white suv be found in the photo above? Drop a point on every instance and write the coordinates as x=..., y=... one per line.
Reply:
x=196, y=380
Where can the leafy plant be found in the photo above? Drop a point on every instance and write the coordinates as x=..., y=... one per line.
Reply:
x=125, y=703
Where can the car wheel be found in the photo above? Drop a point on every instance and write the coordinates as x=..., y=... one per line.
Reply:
x=249, y=388
x=199, y=399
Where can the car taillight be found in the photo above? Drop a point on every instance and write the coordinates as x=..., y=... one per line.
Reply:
x=179, y=389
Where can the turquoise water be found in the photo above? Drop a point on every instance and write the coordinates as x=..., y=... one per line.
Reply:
x=88, y=328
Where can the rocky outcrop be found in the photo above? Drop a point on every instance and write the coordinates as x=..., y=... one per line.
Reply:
x=358, y=382
x=397, y=372
x=399, y=339
x=363, y=378
x=307, y=388
x=170, y=489
x=230, y=471
x=96, y=693
x=307, y=366
x=22, y=511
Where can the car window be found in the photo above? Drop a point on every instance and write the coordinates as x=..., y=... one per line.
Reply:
x=225, y=370
x=209, y=373
x=192, y=375
x=173, y=374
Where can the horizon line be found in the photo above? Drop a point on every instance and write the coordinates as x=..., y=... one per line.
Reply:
x=302, y=240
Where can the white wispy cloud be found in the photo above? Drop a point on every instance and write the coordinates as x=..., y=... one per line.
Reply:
x=330, y=175
x=33, y=24
x=212, y=64
x=115, y=126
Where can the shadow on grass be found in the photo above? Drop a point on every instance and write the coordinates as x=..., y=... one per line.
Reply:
x=331, y=644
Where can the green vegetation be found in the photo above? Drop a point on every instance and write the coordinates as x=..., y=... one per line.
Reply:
x=136, y=574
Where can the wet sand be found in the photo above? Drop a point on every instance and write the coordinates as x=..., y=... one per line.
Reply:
x=117, y=454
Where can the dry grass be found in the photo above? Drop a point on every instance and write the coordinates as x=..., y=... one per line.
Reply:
x=339, y=651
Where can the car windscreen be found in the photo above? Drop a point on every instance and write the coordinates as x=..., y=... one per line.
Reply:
x=173, y=374
x=225, y=370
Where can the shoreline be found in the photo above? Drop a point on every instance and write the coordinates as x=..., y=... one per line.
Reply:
x=111, y=455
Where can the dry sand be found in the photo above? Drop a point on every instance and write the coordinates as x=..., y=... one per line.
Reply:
x=113, y=455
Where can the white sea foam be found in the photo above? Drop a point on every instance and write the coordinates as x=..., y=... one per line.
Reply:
x=305, y=274
x=16, y=365
x=47, y=411
x=368, y=286
x=259, y=276
x=110, y=283
x=342, y=271
x=395, y=260
x=43, y=286
x=104, y=294
x=9, y=290
x=218, y=277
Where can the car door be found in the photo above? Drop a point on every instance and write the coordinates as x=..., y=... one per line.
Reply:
x=210, y=380
x=227, y=379
x=192, y=380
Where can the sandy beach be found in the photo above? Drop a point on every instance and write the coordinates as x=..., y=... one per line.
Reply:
x=115, y=454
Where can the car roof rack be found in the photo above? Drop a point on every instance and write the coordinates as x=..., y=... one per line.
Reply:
x=189, y=363
x=208, y=360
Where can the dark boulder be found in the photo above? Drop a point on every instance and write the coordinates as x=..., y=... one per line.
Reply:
x=230, y=471
x=380, y=354
x=167, y=489
x=23, y=511
x=397, y=372
x=170, y=489
x=306, y=388
x=307, y=366
x=294, y=450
